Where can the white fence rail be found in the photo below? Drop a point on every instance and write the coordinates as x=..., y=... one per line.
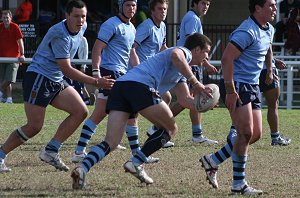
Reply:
x=289, y=78
x=289, y=82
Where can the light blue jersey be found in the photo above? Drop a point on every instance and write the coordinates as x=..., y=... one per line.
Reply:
x=254, y=42
x=157, y=71
x=119, y=38
x=58, y=43
x=190, y=24
x=150, y=39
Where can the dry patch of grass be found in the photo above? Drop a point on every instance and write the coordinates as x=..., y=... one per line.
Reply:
x=272, y=169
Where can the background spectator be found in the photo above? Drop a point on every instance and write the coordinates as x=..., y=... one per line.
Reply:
x=292, y=43
x=11, y=45
x=23, y=12
x=286, y=6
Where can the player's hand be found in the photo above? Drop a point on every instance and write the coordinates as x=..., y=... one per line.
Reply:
x=199, y=88
x=211, y=69
x=269, y=78
x=105, y=82
x=280, y=64
x=231, y=100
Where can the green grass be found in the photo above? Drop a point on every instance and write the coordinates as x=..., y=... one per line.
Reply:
x=272, y=169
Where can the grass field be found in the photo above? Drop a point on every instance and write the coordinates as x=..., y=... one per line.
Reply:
x=275, y=170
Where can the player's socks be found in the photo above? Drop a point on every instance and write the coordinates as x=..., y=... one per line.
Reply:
x=2, y=154
x=197, y=130
x=96, y=154
x=239, y=165
x=155, y=142
x=133, y=138
x=53, y=146
x=275, y=135
x=226, y=151
x=138, y=158
x=87, y=133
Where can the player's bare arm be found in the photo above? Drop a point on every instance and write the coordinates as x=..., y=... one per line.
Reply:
x=183, y=96
x=72, y=73
x=104, y=81
x=231, y=53
x=211, y=69
x=268, y=61
x=178, y=59
x=96, y=55
x=134, y=59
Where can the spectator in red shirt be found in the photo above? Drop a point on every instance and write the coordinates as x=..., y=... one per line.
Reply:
x=11, y=45
x=23, y=12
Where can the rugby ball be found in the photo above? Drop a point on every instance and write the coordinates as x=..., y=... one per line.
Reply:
x=204, y=103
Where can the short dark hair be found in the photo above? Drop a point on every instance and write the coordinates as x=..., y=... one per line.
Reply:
x=196, y=2
x=5, y=12
x=152, y=3
x=196, y=39
x=253, y=3
x=74, y=4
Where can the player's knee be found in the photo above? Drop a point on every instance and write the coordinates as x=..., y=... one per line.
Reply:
x=167, y=97
x=173, y=130
x=246, y=135
x=272, y=107
x=85, y=113
x=255, y=137
x=34, y=128
x=81, y=112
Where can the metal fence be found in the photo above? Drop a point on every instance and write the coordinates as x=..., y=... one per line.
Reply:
x=289, y=82
x=219, y=35
x=289, y=79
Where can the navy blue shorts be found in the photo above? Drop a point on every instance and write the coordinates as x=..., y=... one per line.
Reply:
x=247, y=93
x=197, y=71
x=262, y=78
x=78, y=86
x=112, y=74
x=40, y=90
x=131, y=97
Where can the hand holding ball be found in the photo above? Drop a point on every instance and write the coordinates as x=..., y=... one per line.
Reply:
x=204, y=103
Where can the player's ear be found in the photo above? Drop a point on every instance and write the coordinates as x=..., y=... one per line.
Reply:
x=67, y=15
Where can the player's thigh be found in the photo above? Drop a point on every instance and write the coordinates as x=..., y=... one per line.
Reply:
x=160, y=115
x=243, y=119
x=70, y=101
x=272, y=97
